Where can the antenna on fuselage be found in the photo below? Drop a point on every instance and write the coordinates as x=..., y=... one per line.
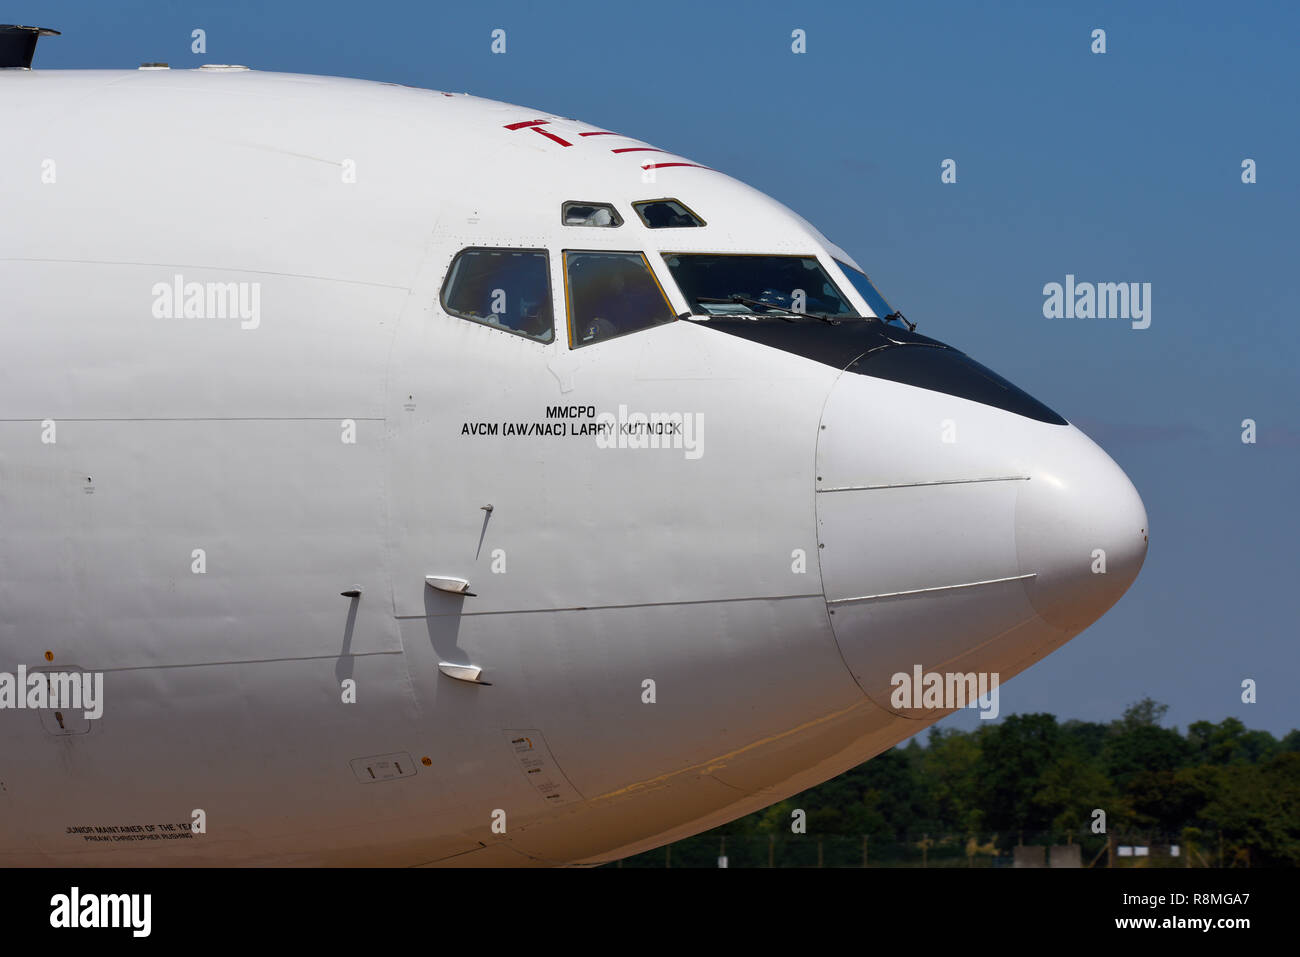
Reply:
x=18, y=45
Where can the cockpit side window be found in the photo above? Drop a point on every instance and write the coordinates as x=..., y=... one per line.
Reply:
x=509, y=289
x=610, y=294
x=666, y=214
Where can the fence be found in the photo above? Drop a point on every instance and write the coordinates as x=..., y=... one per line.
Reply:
x=1145, y=850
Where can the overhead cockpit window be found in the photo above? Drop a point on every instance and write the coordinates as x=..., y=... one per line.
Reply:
x=611, y=294
x=589, y=214
x=730, y=284
x=665, y=214
x=867, y=290
x=506, y=288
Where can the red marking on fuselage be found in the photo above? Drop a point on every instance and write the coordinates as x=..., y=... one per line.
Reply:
x=666, y=165
x=600, y=133
x=551, y=136
x=536, y=127
x=638, y=149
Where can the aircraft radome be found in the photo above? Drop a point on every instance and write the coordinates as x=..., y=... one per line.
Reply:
x=405, y=478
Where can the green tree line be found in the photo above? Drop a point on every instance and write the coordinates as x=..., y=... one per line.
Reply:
x=1215, y=785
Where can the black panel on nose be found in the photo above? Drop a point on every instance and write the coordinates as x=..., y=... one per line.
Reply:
x=874, y=348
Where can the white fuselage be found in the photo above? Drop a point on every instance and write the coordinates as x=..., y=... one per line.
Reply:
x=184, y=498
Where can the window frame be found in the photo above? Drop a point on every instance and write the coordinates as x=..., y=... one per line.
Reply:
x=667, y=199
x=568, y=302
x=550, y=291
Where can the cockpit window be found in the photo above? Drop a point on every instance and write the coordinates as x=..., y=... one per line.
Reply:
x=867, y=290
x=611, y=294
x=509, y=289
x=665, y=214
x=728, y=284
x=590, y=214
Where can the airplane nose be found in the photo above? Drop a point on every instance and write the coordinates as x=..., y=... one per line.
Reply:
x=978, y=550
x=1081, y=531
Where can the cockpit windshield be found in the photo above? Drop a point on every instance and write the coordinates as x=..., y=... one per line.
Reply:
x=729, y=284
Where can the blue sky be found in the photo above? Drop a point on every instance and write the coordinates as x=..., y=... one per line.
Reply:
x=1123, y=166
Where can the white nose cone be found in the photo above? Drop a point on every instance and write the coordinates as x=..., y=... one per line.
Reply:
x=976, y=556
x=1081, y=530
